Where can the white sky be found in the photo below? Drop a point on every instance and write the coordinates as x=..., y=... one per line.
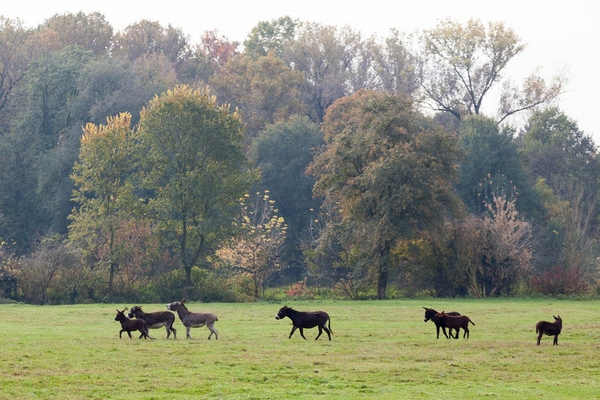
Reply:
x=561, y=36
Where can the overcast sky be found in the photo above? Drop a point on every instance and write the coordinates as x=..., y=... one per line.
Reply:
x=561, y=36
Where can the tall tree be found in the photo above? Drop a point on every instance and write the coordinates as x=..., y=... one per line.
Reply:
x=319, y=53
x=565, y=162
x=89, y=31
x=104, y=191
x=283, y=151
x=554, y=148
x=491, y=163
x=388, y=170
x=150, y=38
x=195, y=169
x=13, y=57
x=264, y=89
x=460, y=64
x=270, y=37
x=395, y=66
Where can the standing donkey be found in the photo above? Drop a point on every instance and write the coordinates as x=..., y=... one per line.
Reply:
x=549, y=328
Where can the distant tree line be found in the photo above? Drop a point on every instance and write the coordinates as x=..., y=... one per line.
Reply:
x=307, y=161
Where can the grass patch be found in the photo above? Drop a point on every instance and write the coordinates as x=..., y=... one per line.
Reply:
x=380, y=350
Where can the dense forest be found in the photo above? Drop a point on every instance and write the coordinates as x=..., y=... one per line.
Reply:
x=307, y=161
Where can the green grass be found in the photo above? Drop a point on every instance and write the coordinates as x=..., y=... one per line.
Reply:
x=380, y=350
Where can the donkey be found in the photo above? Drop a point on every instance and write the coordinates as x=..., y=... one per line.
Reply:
x=301, y=320
x=549, y=328
x=155, y=319
x=128, y=325
x=430, y=315
x=455, y=322
x=194, y=319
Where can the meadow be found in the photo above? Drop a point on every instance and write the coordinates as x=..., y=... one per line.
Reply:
x=380, y=350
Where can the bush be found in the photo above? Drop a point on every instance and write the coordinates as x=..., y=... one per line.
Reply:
x=558, y=281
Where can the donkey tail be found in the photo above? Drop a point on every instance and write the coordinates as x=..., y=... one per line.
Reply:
x=329, y=325
x=471, y=321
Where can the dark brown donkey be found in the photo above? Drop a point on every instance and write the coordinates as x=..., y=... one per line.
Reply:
x=128, y=325
x=155, y=319
x=430, y=315
x=549, y=328
x=455, y=322
x=301, y=320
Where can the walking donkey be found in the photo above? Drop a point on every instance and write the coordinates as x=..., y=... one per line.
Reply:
x=128, y=325
x=194, y=319
x=301, y=320
x=155, y=319
x=455, y=322
x=549, y=328
x=430, y=314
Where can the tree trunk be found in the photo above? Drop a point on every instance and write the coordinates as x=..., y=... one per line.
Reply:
x=384, y=260
x=188, y=285
x=111, y=278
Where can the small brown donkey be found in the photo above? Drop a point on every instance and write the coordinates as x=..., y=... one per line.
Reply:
x=430, y=314
x=455, y=322
x=128, y=325
x=549, y=328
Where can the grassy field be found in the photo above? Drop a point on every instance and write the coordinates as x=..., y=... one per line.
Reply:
x=380, y=350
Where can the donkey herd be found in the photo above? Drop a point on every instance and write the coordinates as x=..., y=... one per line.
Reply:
x=138, y=320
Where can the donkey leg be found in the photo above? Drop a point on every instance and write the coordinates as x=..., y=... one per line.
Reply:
x=302, y=333
x=555, y=340
x=212, y=330
x=320, y=331
x=328, y=332
x=187, y=332
x=292, y=332
x=539, y=338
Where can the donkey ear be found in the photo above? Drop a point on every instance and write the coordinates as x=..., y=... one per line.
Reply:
x=182, y=301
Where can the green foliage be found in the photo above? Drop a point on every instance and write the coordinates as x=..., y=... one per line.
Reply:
x=264, y=90
x=555, y=149
x=387, y=171
x=195, y=169
x=491, y=164
x=73, y=69
x=283, y=151
x=269, y=37
x=104, y=190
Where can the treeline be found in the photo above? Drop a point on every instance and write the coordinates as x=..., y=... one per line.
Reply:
x=307, y=161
